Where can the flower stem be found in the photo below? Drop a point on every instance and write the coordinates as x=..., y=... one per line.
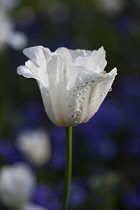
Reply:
x=68, y=168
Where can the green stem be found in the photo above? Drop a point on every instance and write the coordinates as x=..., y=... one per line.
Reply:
x=68, y=168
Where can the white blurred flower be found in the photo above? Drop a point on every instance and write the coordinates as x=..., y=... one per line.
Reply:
x=111, y=7
x=17, y=183
x=8, y=4
x=35, y=144
x=17, y=40
x=6, y=27
x=32, y=207
x=73, y=83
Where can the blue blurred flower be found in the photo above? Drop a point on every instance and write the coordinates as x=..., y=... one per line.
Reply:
x=51, y=197
x=41, y=194
x=129, y=105
x=9, y=152
x=32, y=115
x=133, y=147
x=106, y=148
x=105, y=122
x=98, y=134
x=132, y=200
x=47, y=197
x=57, y=135
x=130, y=87
x=79, y=193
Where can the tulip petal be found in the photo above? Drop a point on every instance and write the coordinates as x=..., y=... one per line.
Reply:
x=24, y=71
x=78, y=93
x=48, y=104
x=37, y=54
x=79, y=53
x=38, y=64
x=81, y=78
x=95, y=61
x=33, y=68
x=87, y=95
x=99, y=92
x=33, y=52
x=57, y=85
x=65, y=54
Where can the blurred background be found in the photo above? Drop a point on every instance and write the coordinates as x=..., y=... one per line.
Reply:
x=106, y=150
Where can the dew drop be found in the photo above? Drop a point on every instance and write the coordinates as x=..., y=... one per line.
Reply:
x=78, y=94
x=72, y=116
x=85, y=115
x=82, y=85
x=102, y=94
x=70, y=106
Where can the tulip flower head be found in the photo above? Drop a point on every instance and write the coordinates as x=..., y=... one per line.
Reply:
x=73, y=83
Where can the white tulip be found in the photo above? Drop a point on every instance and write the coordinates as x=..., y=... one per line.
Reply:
x=17, y=183
x=35, y=144
x=73, y=83
x=32, y=207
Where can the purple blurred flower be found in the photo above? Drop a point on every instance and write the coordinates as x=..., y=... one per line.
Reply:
x=106, y=148
x=32, y=115
x=130, y=88
x=47, y=197
x=9, y=152
x=57, y=135
x=41, y=195
x=78, y=193
x=132, y=200
x=51, y=197
x=133, y=147
x=105, y=122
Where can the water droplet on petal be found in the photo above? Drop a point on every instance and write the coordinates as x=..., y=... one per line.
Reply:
x=72, y=116
x=70, y=106
x=102, y=94
x=78, y=94
x=82, y=85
